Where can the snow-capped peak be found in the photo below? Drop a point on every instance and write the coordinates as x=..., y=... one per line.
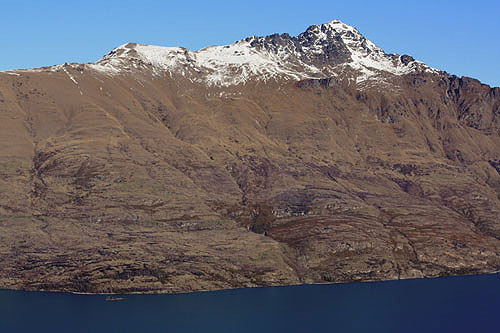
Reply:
x=321, y=51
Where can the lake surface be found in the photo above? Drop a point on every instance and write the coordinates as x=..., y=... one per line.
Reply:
x=458, y=304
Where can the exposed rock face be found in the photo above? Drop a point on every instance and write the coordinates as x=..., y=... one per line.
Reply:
x=316, y=158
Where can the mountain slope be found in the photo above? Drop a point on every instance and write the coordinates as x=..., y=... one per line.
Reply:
x=275, y=160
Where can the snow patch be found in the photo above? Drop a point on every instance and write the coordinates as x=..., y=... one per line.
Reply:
x=70, y=76
x=105, y=68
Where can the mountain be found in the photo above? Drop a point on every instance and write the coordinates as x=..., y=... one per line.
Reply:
x=276, y=160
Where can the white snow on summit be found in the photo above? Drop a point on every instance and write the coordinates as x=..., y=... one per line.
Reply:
x=239, y=62
x=369, y=58
x=218, y=65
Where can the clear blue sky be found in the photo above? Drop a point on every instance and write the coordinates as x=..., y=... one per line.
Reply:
x=461, y=37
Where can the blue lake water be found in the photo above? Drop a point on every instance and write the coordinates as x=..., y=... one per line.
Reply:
x=458, y=304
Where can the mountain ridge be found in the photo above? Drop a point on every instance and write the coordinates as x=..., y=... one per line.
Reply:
x=321, y=51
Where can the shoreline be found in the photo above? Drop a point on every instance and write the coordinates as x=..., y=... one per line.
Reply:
x=497, y=272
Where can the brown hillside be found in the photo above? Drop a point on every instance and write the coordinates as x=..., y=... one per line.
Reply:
x=153, y=183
